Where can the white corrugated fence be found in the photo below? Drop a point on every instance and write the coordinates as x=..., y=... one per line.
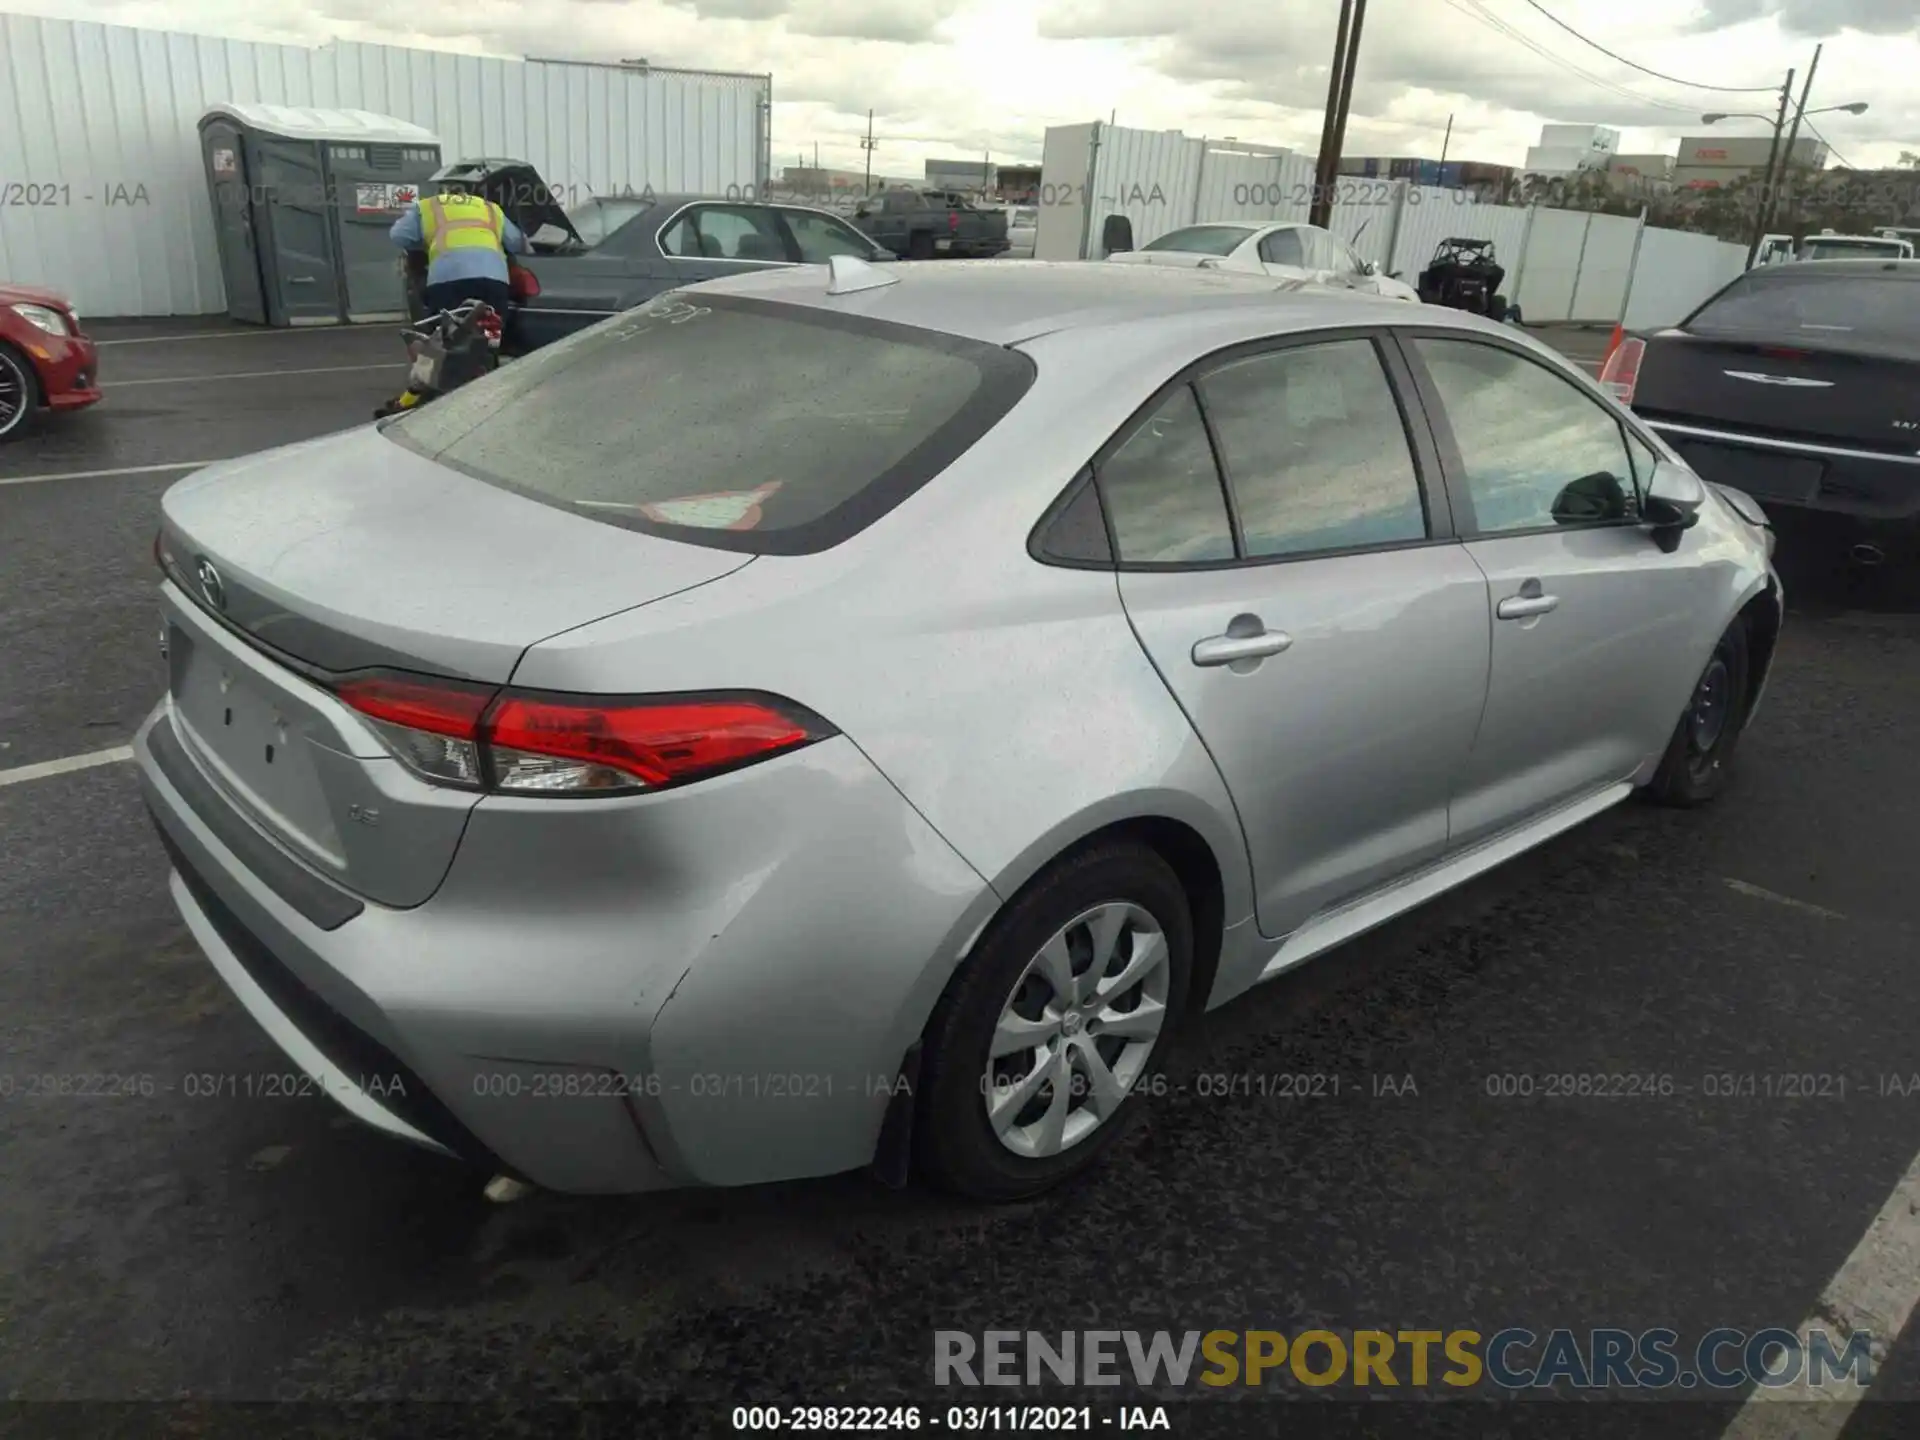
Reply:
x=102, y=191
x=1562, y=265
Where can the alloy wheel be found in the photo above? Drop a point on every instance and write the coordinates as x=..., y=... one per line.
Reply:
x=1078, y=1029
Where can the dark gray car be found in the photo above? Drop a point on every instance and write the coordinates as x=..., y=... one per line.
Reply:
x=613, y=252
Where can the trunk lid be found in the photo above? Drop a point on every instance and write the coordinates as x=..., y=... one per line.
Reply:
x=1800, y=390
x=353, y=551
x=348, y=553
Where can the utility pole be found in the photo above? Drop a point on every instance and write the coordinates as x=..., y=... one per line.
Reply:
x=866, y=144
x=1329, y=167
x=1786, y=154
x=1322, y=182
x=1762, y=211
x=1445, y=144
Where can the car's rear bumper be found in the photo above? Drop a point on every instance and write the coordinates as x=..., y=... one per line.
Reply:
x=1835, y=492
x=672, y=994
x=69, y=370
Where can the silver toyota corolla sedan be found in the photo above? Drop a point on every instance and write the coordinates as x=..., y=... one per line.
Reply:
x=850, y=715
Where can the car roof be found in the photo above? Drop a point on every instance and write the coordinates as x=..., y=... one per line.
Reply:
x=1005, y=302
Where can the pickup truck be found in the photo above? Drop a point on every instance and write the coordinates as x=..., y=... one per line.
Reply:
x=922, y=224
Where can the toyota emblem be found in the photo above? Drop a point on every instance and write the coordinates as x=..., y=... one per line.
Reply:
x=211, y=585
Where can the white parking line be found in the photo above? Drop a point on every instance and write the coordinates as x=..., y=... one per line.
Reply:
x=1874, y=1290
x=255, y=374
x=106, y=474
x=22, y=773
x=1757, y=892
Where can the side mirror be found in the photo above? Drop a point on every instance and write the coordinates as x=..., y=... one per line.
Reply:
x=1116, y=234
x=1674, y=498
x=1368, y=267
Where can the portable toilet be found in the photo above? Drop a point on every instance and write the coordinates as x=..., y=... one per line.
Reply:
x=302, y=203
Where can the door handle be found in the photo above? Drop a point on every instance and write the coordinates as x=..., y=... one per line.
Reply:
x=1519, y=607
x=1226, y=649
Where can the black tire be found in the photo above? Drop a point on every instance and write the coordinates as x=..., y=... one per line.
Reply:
x=954, y=1144
x=1695, y=768
x=19, y=395
x=920, y=245
x=1497, y=309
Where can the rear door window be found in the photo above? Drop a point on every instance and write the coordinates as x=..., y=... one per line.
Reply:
x=1283, y=247
x=821, y=237
x=1162, y=490
x=738, y=232
x=723, y=421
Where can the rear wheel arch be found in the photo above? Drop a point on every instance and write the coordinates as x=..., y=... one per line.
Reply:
x=1192, y=858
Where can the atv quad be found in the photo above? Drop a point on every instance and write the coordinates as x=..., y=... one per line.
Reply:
x=1464, y=275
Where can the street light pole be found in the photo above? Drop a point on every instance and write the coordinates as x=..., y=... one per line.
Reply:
x=866, y=144
x=1761, y=211
x=1786, y=154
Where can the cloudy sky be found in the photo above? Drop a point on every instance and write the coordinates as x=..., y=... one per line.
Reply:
x=966, y=77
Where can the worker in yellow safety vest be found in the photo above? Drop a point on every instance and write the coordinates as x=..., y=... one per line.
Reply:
x=466, y=238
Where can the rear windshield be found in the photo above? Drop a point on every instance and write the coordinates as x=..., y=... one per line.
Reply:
x=1202, y=239
x=1865, y=310
x=1852, y=249
x=734, y=423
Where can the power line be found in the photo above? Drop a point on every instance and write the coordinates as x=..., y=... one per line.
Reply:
x=1477, y=10
x=1846, y=163
x=1633, y=65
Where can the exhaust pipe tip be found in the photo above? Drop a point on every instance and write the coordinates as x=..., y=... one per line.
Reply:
x=1867, y=555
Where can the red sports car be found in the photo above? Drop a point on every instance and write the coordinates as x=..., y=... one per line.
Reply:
x=44, y=359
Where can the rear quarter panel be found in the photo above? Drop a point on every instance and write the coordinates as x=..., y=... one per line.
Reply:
x=1009, y=701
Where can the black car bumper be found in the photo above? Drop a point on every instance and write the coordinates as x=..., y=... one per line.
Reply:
x=1829, y=494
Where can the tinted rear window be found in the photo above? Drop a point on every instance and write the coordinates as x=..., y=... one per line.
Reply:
x=1202, y=239
x=1852, y=250
x=739, y=424
x=1857, y=310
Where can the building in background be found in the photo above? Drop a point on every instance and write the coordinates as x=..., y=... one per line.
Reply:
x=1709, y=161
x=1019, y=184
x=1640, y=174
x=1473, y=175
x=825, y=180
x=1569, y=149
x=965, y=175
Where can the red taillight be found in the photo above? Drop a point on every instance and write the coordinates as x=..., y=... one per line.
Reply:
x=571, y=743
x=432, y=725
x=522, y=283
x=442, y=707
x=1622, y=371
x=953, y=220
x=530, y=743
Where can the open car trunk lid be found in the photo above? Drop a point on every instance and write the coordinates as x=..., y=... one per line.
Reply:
x=293, y=568
x=518, y=189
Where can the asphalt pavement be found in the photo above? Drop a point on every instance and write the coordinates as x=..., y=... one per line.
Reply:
x=198, y=1233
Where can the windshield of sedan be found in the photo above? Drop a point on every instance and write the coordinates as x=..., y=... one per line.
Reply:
x=597, y=219
x=741, y=424
x=1203, y=239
